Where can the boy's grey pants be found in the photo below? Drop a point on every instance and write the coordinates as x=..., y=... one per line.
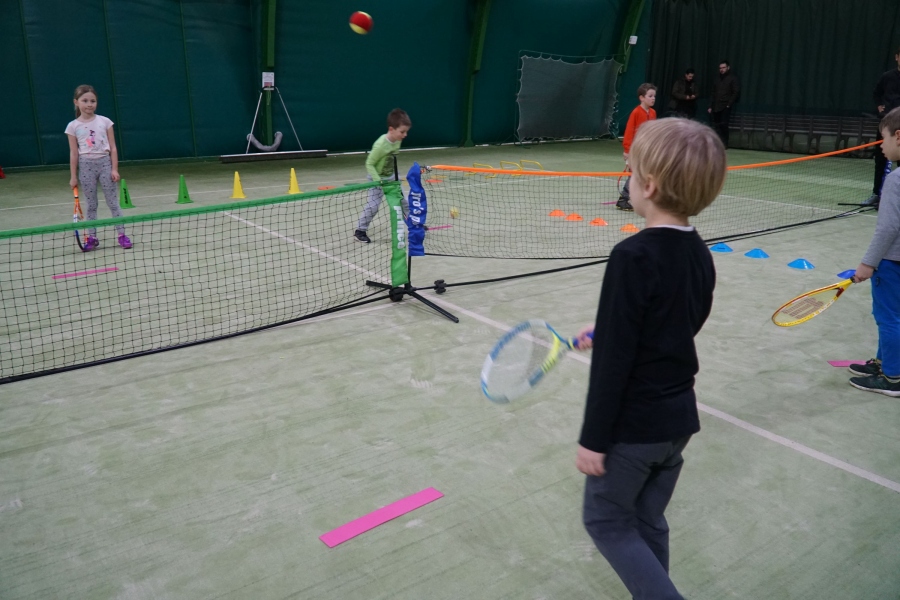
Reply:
x=626, y=191
x=376, y=194
x=623, y=513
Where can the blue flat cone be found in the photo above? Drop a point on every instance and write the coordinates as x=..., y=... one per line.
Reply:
x=720, y=247
x=756, y=253
x=847, y=274
x=801, y=263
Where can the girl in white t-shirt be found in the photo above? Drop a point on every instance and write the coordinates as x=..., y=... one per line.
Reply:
x=93, y=157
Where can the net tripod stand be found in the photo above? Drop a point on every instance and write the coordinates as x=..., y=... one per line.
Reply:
x=396, y=294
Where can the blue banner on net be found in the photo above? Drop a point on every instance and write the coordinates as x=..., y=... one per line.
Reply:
x=418, y=209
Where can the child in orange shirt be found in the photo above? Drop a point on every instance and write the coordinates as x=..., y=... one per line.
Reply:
x=642, y=113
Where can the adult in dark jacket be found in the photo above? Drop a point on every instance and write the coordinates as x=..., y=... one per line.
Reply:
x=887, y=97
x=726, y=91
x=684, y=96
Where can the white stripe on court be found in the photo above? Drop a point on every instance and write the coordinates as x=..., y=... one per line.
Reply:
x=787, y=204
x=772, y=437
x=340, y=315
x=312, y=249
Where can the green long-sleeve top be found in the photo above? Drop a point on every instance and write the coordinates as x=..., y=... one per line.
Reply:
x=377, y=163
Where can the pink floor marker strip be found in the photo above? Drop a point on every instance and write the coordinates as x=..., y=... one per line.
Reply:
x=439, y=227
x=82, y=273
x=379, y=517
x=605, y=203
x=845, y=363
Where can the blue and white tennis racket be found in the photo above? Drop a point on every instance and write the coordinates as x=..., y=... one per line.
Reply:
x=521, y=358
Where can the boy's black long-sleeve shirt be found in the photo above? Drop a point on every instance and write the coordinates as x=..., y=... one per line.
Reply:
x=656, y=295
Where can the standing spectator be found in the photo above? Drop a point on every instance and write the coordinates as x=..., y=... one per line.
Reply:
x=684, y=96
x=887, y=98
x=726, y=91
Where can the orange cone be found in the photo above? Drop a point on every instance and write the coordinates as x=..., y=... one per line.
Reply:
x=629, y=228
x=557, y=213
x=574, y=217
x=598, y=222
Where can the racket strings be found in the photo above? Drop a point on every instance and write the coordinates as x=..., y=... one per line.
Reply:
x=521, y=358
x=803, y=307
x=807, y=306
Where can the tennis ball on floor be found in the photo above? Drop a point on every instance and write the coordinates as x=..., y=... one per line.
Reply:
x=454, y=212
x=361, y=22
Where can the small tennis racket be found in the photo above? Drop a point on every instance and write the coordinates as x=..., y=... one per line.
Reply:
x=521, y=358
x=77, y=217
x=623, y=181
x=808, y=305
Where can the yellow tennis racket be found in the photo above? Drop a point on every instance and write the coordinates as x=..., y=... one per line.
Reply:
x=806, y=306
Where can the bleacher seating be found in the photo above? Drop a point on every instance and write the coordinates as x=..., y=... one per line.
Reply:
x=801, y=133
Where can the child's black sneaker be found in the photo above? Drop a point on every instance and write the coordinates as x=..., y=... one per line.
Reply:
x=877, y=383
x=361, y=236
x=624, y=204
x=872, y=367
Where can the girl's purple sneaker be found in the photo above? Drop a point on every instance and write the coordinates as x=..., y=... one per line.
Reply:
x=90, y=243
x=124, y=241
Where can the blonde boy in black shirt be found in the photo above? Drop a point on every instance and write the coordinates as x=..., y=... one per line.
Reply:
x=641, y=409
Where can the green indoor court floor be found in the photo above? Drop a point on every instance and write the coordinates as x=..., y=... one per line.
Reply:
x=211, y=471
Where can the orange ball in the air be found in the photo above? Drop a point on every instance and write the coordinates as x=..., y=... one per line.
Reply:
x=361, y=22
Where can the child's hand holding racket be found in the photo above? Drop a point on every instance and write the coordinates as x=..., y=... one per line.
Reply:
x=584, y=339
x=863, y=272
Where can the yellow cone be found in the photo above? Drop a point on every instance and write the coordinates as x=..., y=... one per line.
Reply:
x=238, y=190
x=294, y=189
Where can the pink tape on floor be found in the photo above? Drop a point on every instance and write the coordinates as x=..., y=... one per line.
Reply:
x=378, y=517
x=845, y=363
x=80, y=273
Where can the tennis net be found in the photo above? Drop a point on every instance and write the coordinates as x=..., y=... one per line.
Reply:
x=208, y=273
x=522, y=212
x=194, y=275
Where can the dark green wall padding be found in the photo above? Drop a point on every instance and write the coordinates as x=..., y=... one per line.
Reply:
x=560, y=27
x=339, y=86
x=799, y=57
x=181, y=78
x=176, y=78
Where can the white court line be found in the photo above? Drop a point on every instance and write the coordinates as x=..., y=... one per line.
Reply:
x=787, y=204
x=772, y=437
x=340, y=315
x=312, y=249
